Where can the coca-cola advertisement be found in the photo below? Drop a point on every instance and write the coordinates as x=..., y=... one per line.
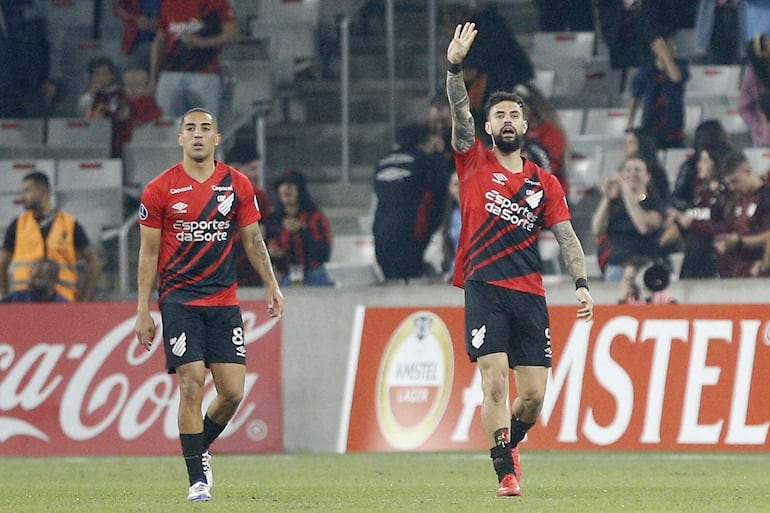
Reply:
x=74, y=380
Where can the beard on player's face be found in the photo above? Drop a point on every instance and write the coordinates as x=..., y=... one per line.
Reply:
x=508, y=144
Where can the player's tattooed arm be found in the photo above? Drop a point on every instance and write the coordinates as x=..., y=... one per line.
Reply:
x=571, y=249
x=463, y=127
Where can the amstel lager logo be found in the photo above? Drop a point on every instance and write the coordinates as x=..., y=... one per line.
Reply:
x=414, y=380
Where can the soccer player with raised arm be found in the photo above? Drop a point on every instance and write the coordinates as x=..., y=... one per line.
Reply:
x=505, y=201
x=188, y=217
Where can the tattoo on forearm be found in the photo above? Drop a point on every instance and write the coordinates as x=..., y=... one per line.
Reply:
x=463, y=128
x=571, y=249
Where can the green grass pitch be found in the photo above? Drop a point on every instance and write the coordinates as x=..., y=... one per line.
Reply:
x=553, y=482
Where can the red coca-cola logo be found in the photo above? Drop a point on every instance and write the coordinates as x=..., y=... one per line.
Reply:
x=71, y=382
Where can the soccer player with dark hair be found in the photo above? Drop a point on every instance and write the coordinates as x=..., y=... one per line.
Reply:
x=505, y=202
x=188, y=218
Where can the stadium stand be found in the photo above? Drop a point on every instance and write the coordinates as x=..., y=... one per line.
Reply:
x=290, y=31
x=709, y=81
x=572, y=121
x=92, y=190
x=545, y=81
x=21, y=136
x=673, y=160
x=353, y=262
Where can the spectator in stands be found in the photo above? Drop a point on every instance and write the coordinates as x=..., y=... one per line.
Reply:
x=707, y=134
x=184, y=69
x=743, y=234
x=410, y=183
x=755, y=81
x=696, y=224
x=440, y=120
x=565, y=15
x=659, y=88
x=246, y=159
x=44, y=275
x=140, y=20
x=626, y=26
x=26, y=89
x=450, y=228
x=717, y=30
x=43, y=232
x=298, y=234
x=631, y=215
x=545, y=141
x=141, y=102
x=639, y=142
x=105, y=98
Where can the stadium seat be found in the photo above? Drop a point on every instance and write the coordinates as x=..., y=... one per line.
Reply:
x=70, y=14
x=13, y=170
x=78, y=138
x=352, y=261
x=92, y=190
x=290, y=30
x=611, y=161
x=21, y=132
x=708, y=80
x=673, y=160
x=572, y=121
x=577, y=45
x=693, y=115
x=145, y=161
x=606, y=122
x=550, y=253
x=545, y=81
x=248, y=88
x=160, y=131
x=584, y=166
x=21, y=137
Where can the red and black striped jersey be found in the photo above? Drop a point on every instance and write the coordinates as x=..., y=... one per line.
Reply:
x=198, y=221
x=502, y=216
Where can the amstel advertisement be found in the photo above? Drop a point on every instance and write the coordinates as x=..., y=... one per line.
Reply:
x=74, y=380
x=662, y=377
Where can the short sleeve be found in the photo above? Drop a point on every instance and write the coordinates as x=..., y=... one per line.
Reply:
x=9, y=242
x=81, y=238
x=466, y=162
x=556, y=208
x=151, y=208
x=248, y=209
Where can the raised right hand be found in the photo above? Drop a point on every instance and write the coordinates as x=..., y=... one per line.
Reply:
x=458, y=48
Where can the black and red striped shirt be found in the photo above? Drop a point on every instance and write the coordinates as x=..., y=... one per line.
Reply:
x=502, y=216
x=198, y=221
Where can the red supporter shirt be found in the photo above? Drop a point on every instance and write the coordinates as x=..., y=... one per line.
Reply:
x=502, y=215
x=198, y=223
x=204, y=18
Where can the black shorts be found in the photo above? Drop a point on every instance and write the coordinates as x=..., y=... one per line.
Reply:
x=212, y=334
x=501, y=320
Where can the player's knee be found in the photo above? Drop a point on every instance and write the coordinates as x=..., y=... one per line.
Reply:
x=496, y=389
x=532, y=403
x=190, y=392
x=232, y=398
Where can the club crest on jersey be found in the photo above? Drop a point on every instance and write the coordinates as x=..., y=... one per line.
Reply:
x=225, y=203
x=499, y=178
x=533, y=199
